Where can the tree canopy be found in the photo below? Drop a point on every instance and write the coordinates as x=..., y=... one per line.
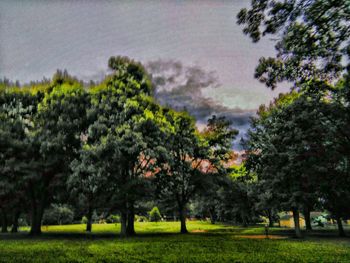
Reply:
x=311, y=38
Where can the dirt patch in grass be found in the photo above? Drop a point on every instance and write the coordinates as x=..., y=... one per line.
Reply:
x=199, y=231
x=263, y=237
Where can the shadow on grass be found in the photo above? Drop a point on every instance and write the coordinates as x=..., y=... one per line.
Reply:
x=224, y=233
x=89, y=236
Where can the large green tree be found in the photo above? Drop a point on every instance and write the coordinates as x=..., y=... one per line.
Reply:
x=124, y=134
x=192, y=159
x=180, y=175
x=58, y=124
x=16, y=114
x=281, y=147
x=312, y=47
x=219, y=135
x=296, y=152
x=88, y=182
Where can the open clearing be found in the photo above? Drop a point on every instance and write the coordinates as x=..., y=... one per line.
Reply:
x=160, y=242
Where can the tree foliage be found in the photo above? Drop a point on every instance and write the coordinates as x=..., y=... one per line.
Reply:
x=294, y=149
x=154, y=215
x=311, y=38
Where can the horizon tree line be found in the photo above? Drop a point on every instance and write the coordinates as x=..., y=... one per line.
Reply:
x=111, y=144
x=104, y=141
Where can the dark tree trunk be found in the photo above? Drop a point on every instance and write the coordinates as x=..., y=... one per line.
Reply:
x=37, y=215
x=130, y=228
x=182, y=212
x=307, y=218
x=244, y=222
x=212, y=215
x=36, y=218
x=296, y=223
x=15, y=222
x=123, y=222
x=4, y=221
x=89, y=219
x=340, y=227
x=269, y=215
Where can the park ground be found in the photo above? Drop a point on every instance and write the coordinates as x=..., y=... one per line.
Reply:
x=160, y=242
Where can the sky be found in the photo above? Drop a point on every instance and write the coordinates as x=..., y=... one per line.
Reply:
x=195, y=47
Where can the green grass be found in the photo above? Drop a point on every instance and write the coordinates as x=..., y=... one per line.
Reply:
x=159, y=242
x=140, y=228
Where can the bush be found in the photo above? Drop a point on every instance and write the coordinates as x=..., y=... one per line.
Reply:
x=58, y=214
x=113, y=219
x=154, y=215
x=84, y=220
x=141, y=218
x=22, y=221
x=95, y=219
x=320, y=221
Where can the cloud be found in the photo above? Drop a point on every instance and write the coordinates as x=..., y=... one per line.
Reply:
x=180, y=87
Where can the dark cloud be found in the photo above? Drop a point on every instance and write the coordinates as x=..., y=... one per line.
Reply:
x=181, y=87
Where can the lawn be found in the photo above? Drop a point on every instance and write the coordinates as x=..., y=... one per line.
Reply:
x=159, y=242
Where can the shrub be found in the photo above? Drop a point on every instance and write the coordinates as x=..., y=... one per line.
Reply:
x=154, y=215
x=95, y=218
x=58, y=214
x=113, y=219
x=22, y=221
x=84, y=220
x=141, y=218
x=320, y=221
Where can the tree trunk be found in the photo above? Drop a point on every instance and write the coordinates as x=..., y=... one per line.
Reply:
x=4, y=221
x=340, y=227
x=123, y=221
x=212, y=215
x=15, y=222
x=307, y=218
x=269, y=215
x=37, y=216
x=296, y=223
x=89, y=219
x=130, y=228
x=182, y=212
x=244, y=221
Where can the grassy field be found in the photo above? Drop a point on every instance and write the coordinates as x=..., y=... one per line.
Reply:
x=159, y=242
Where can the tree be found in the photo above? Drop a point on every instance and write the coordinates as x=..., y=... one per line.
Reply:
x=235, y=203
x=16, y=114
x=219, y=135
x=45, y=122
x=312, y=46
x=192, y=159
x=180, y=176
x=58, y=124
x=125, y=128
x=284, y=149
x=312, y=38
x=58, y=214
x=88, y=179
x=334, y=191
x=154, y=215
x=301, y=139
